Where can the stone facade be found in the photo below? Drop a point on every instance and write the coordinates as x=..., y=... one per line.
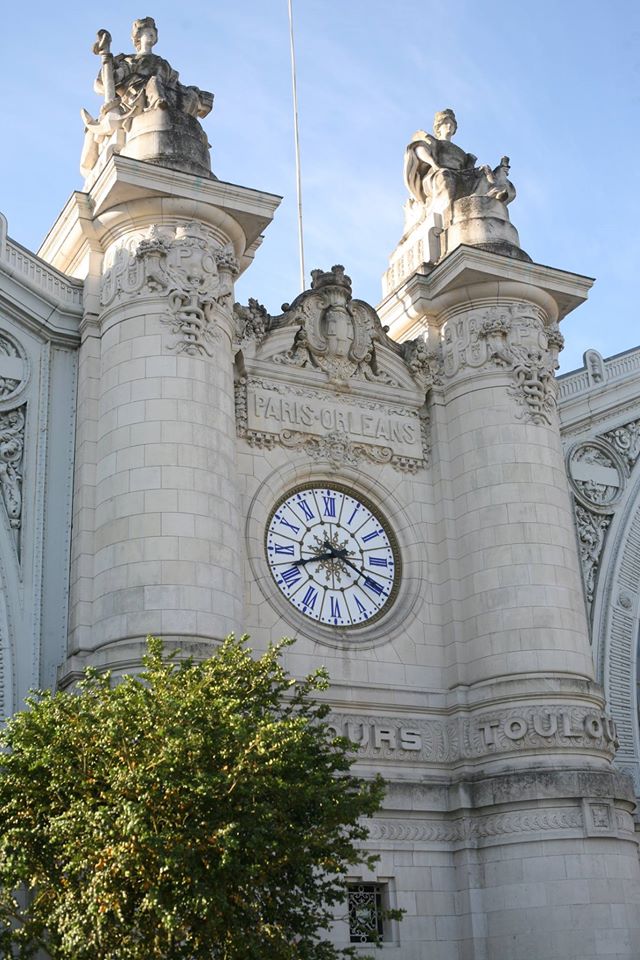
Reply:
x=212, y=439
x=40, y=313
x=600, y=417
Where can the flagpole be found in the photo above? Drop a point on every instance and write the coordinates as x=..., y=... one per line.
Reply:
x=296, y=138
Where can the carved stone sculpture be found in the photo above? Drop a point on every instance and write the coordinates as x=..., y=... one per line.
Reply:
x=185, y=266
x=11, y=449
x=147, y=112
x=252, y=322
x=425, y=364
x=335, y=334
x=438, y=172
x=452, y=201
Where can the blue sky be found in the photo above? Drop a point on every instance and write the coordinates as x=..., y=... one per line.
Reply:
x=555, y=85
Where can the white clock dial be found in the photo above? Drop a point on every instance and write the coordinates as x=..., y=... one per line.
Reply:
x=332, y=556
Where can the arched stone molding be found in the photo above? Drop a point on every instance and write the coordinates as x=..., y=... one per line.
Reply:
x=616, y=619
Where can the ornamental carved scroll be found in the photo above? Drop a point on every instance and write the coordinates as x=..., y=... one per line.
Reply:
x=12, y=427
x=598, y=469
x=334, y=333
x=188, y=268
x=513, y=337
x=487, y=827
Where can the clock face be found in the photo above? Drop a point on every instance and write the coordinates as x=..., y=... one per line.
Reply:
x=332, y=556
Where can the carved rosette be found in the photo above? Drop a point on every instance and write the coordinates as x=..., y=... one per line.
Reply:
x=187, y=268
x=512, y=337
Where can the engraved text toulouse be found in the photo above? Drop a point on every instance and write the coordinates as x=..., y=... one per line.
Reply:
x=544, y=724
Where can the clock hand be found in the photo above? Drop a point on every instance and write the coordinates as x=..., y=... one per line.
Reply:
x=343, y=556
x=321, y=556
x=339, y=555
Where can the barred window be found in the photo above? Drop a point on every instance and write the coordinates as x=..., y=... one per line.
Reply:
x=365, y=912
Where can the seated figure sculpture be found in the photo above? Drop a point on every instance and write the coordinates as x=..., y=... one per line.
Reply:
x=134, y=84
x=438, y=172
x=452, y=202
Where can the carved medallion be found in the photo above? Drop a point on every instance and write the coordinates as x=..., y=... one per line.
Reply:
x=14, y=367
x=596, y=473
x=335, y=333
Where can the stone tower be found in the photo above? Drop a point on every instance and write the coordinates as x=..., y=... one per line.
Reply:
x=386, y=485
x=157, y=531
x=532, y=781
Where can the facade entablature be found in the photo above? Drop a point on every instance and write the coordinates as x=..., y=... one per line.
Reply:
x=603, y=390
x=38, y=295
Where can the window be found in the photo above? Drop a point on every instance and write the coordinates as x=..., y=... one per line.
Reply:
x=366, y=921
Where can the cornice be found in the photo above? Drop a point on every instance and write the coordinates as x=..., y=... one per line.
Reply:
x=144, y=193
x=469, y=273
x=38, y=295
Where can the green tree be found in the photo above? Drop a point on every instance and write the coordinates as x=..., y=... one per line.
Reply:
x=198, y=810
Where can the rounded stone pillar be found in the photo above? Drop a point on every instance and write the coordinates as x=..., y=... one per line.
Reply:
x=167, y=554
x=518, y=604
x=157, y=540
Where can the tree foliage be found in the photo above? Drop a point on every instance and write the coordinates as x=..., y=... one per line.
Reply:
x=198, y=810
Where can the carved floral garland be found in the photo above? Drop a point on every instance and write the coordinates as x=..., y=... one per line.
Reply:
x=12, y=424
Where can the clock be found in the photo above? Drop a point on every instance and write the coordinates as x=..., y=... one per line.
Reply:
x=332, y=555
